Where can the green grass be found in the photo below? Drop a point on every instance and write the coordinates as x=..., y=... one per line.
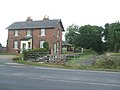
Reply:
x=65, y=66
x=73, y=63
x=39, y=64
x=115, y=54
x=7, y=53
x=76, y=60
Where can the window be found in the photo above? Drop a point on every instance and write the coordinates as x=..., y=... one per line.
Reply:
x=15, y=45
x=41, y=44
x=42, y=32
x=29, y=45
x=28, y=33
x=16, y=32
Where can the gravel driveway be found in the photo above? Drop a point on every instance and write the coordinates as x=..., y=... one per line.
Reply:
x=6, y=58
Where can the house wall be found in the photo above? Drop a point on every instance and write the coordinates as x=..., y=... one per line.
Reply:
x=12, y=38
x=51, y=37
x=59, y=38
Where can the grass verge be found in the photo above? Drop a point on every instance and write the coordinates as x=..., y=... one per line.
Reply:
x=65, y=66
x=7, y=53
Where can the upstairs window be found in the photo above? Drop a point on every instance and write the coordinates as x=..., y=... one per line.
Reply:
x=42, y=32
x=16, y=32
x=41, y=44
x=28, y=32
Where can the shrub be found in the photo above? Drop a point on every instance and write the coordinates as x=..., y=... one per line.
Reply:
x=34, y=53
x=108, y=63
x=15, y=58
x=46, y=45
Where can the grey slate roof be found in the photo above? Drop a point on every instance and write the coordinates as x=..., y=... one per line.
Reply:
x=35, y=24
x=64, y=43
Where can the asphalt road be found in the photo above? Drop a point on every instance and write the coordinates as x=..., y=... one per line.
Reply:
x=15, y=76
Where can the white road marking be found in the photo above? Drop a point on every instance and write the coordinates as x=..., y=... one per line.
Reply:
x=74, y=81
x=19, y=74
x=13, y=64
x=2, y=65
x=19, y=66
x=79, y=71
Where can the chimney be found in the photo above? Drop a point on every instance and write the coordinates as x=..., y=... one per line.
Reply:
x=29, y=19
x=46, y=17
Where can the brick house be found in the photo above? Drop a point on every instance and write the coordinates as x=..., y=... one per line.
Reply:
x=31, y=34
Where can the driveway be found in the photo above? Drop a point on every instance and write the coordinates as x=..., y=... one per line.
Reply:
x=6, y=59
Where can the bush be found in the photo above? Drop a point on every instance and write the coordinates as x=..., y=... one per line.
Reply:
x=108, y=63
x=15, y=58
x=46, y=45
x=34, y=53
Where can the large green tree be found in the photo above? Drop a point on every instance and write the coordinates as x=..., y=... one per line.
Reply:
x=89, y=37
x=112, y=36
x=71, y=33
x=0, y=45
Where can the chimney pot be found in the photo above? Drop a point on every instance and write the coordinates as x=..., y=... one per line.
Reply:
x=29, y=19
x=46, y=17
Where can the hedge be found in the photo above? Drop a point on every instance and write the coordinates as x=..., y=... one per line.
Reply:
x=34, y=53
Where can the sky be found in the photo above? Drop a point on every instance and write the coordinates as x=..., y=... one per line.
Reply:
x=79, y=12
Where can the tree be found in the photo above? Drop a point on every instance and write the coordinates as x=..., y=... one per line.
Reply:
x=0, y=45
x=46, y=45
x=71, y=33
x=112, y=36
x=89, y=37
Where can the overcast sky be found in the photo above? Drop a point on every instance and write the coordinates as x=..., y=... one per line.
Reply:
x=79, y=12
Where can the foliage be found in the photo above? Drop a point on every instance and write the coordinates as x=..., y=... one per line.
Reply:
x=89, y=37
x=46, y=45
x=34, y=53
x=96, y=38
x=15, y=58
x=74, y=63
x=112, y=36
x=71, y=33
x=76, y=60
x=107, y=62
x=0, y=45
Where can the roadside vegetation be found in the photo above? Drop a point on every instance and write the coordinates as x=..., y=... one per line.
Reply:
x=97, y=43
x=104, y=62
x=4, y=53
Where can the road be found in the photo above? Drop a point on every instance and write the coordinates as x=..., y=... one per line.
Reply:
x=15, y=76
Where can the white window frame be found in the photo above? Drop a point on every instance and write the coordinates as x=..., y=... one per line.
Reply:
x=42, y=32
x=16, y=44
x=16, y=32
x=41, y=44
x=28, y=32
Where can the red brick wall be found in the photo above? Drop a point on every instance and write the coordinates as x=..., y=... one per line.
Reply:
x=12, y=38
x=51, y=37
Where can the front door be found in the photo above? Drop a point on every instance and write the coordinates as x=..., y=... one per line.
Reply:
x=24, y=46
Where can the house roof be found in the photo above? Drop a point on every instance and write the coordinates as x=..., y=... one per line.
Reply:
x=35, y=24
x=64, y=43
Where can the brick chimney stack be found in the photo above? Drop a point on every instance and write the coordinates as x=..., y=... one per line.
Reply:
x=46, y=17
x=29, y=19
